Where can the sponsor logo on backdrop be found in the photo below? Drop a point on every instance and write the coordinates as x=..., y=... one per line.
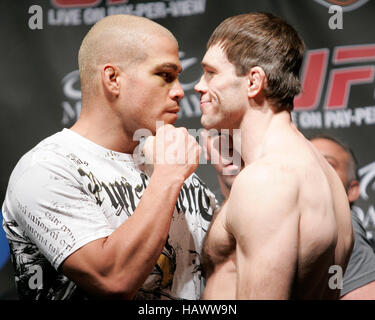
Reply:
x=71, y=106
x=328, y=88
x=88, y=12
x=367, y=193
x=347, y=5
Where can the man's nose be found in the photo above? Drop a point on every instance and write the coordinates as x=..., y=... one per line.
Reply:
x=177, y=93
x=200, y=87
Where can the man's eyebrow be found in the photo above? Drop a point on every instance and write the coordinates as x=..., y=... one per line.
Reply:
x=328, y=157
x=207, y=65
x=168, y=65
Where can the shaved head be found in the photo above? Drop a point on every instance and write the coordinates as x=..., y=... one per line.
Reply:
x=118, y=39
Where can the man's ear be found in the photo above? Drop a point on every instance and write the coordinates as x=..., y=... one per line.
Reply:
x=353, y=191
x=256, y=80
x=111, y=79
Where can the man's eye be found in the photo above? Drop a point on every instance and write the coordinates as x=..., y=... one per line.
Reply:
x=168, y=77
x=208, y=73
x=332, y=164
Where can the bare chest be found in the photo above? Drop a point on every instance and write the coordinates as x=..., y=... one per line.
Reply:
x=219, y=245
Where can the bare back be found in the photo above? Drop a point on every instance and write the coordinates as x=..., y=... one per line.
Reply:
x=286, y=222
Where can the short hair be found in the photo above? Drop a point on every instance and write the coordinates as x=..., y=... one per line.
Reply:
x=264, y=40
x=96, y=48
x=352, y=170
x=129, y=35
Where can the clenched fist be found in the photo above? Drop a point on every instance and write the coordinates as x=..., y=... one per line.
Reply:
x=172, y=151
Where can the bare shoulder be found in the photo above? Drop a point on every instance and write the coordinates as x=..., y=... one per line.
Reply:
x=265, y=177
x=264, y=192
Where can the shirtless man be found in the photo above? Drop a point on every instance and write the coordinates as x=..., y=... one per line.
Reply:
x=287, y=218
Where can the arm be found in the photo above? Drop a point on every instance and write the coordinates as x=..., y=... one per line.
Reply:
x=366, y=292
x=359, y=278
x=118, y=264
x=263, y=218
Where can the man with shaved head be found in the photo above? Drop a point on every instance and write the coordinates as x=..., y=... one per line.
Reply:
x=81, y=218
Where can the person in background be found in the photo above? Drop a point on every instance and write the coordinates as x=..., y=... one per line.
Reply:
x=226, y=170
x=359, y=278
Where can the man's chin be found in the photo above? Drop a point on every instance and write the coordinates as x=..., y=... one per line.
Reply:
x=215, y=126
x=171, y=118
x=207, y=124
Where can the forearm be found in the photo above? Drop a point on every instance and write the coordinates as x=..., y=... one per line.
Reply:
x=136, y=245
x=119, y=264
x=366, y=292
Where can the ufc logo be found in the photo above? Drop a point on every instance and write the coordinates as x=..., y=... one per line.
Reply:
x=83, y=3
x=340, y=79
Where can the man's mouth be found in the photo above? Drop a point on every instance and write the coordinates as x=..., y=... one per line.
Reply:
x=204, y=103
x=174, y=110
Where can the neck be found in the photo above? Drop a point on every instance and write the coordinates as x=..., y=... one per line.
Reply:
x=259, y=128
x=98, y=123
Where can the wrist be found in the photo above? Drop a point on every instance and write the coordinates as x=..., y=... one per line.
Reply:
x=163, y=176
